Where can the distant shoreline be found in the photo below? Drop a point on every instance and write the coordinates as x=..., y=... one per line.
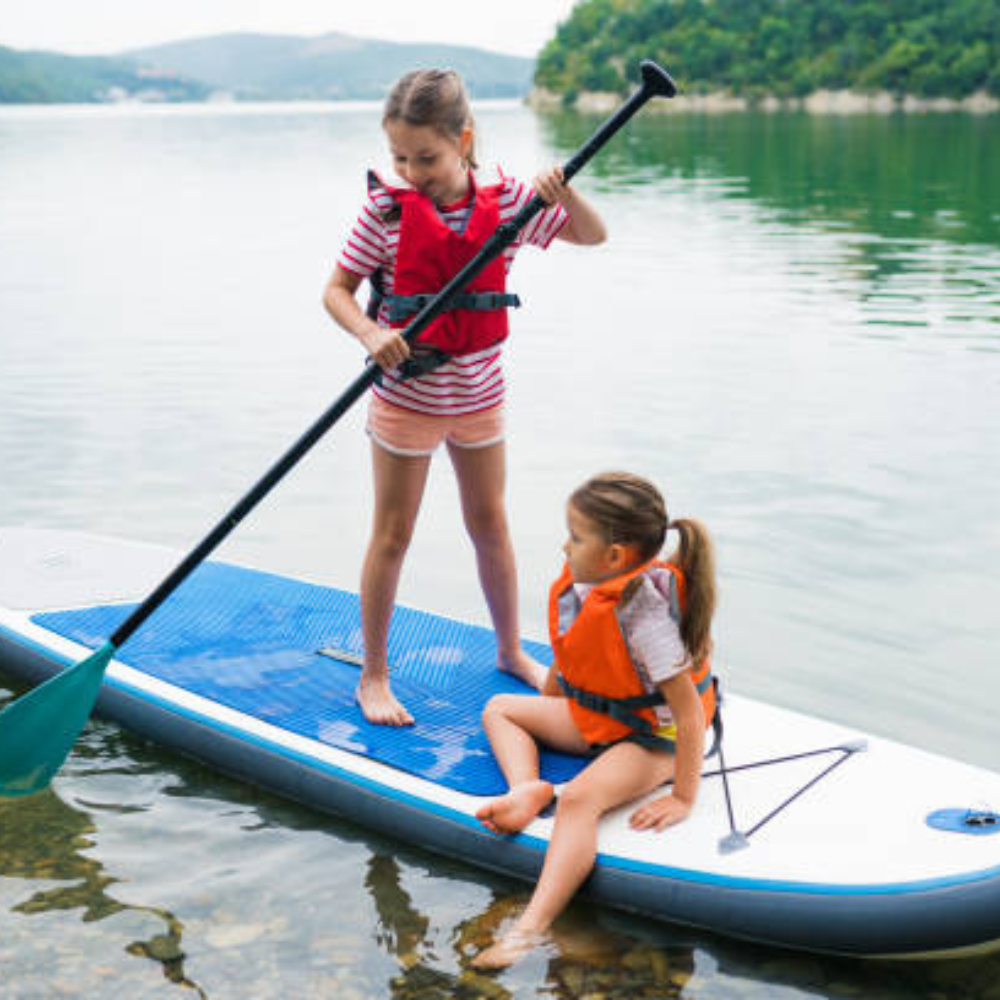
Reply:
x=833, y=102
x=828, y=102
x=215, y=107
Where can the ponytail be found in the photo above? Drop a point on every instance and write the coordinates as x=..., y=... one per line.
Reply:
x=695, y=556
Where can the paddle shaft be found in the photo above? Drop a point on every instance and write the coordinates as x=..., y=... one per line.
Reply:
x=655, y=82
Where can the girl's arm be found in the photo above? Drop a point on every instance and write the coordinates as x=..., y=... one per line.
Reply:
x=583, y=225
x=385, y=345
x=689, y=718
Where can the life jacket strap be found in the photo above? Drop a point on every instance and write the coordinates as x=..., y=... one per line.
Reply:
x=423, y=360
x=376, y=294
x=417, y=364
x=716, y=717
x=402, y=307
x=643, y=733
x=619, y=709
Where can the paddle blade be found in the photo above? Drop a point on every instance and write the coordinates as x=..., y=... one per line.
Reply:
x=38, y=730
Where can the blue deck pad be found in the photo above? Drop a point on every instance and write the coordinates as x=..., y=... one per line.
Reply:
x=251, y=640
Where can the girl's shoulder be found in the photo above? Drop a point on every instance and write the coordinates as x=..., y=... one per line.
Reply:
x=650, y=622
x=379, y=192
x=495, y=177
x=654, y=592
x=492, y=176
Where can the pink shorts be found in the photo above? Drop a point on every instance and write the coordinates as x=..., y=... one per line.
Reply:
x=407, y=432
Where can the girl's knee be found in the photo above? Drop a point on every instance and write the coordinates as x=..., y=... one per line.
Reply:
x=577, y=799
x=487, y=526
x=391, y=541
x=498, y=706
x=573, y=798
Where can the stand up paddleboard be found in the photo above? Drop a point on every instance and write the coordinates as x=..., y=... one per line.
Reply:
x=828, y=840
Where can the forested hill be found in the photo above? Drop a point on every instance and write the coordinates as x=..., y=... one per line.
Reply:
x=334, y=66
x=48, y=77
x=251, y=67
x=785, y=48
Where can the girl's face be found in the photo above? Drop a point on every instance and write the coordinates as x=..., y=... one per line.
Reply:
x=590, y=556
x=432, y=163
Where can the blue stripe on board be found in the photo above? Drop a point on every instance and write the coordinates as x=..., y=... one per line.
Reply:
x=394, y=794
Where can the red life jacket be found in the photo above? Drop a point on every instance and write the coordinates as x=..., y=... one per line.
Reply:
x=608, y=700
x=429, y=254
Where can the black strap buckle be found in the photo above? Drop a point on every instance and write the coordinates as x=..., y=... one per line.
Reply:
x=422, y=362
x=402, y=307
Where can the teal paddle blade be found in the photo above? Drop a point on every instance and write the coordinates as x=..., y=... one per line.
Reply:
x=38, y=730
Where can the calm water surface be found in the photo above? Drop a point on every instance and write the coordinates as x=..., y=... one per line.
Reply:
x=794, y=329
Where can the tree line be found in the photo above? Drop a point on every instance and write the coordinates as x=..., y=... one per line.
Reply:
x=785, y=48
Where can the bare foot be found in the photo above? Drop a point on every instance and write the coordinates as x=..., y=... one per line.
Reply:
x=512, y=946
x=379, y=705
x=525, y=668
x=512, y=812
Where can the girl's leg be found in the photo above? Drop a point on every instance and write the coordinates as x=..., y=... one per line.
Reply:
x=481, y=474
x=619, y=775
x=515, y=723
x=399, y=487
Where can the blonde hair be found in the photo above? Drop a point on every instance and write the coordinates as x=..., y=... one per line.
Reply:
x=629, y=510
x=435, y=98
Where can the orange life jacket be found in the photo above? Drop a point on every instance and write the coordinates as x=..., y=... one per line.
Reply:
x=608, y=700
x=430, y=253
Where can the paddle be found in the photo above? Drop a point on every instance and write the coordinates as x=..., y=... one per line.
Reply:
x=38, y=730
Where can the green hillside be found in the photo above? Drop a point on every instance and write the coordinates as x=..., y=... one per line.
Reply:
x=251, y=67
x=50, y=78
x=927, y=48
x=334, y=66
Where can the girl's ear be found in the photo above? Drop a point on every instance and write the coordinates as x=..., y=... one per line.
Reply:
x=618, y=556
x=622, y=558
x=466, y=142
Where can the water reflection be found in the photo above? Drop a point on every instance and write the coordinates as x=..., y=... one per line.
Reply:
x=899, y=215
x=594, y=953
x=583, y=959
x=43, y=839
x=903, y=177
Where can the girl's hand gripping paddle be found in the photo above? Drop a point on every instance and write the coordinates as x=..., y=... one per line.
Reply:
x=38, y=730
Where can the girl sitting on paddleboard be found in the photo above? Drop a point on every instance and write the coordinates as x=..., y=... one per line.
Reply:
x=412, y=240
x=623, y=625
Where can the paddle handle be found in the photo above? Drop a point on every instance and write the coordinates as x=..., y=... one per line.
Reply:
x=656, y=82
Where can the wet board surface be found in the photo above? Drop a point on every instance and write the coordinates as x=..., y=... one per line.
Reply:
x=288, y=652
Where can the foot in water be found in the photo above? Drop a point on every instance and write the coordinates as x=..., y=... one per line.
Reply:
x=514, y=945
x=379, y=705
x=512, y=812
x=525, y=668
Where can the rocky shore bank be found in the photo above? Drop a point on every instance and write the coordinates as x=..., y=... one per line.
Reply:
x=835, y=102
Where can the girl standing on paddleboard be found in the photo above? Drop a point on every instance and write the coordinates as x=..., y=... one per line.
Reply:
x=411, y=240
x=630, y=685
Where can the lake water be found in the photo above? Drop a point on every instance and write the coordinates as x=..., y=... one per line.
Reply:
x=794, y=329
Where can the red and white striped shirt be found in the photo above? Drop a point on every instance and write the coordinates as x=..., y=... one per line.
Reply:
x=473, y=381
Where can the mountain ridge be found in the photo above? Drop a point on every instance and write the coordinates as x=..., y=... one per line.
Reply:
x=252, y=66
